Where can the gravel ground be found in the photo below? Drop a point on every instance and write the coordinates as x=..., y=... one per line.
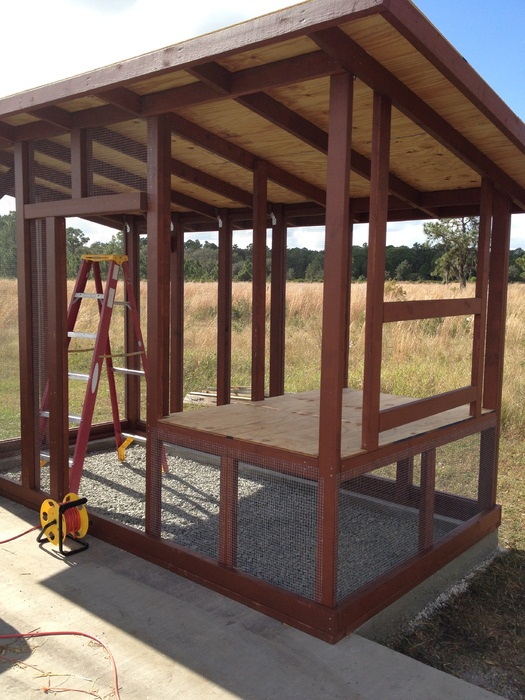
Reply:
x=276, y=518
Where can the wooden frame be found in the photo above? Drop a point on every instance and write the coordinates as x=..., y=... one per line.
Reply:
x=270, y=124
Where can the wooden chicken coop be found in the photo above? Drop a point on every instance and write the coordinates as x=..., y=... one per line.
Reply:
x=323, y=506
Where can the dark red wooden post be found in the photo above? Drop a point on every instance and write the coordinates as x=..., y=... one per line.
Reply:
x=132, y=382
x=260, y=204
x=177, y=316
x=158, y=222
x=278, y=302
x=335, y=315
x=376, y=270
x=495, y=341
x=224, y=309
x=228, y=511
x=28, y=382
x=482, y=275
x=426, y=503
x=57, y=348
x=80, y=159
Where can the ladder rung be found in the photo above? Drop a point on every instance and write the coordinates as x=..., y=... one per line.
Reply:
x=78, y=375
x=125, y=370
x=88, y=295
x=137, y=438
x=74, y=419
x=122, y=303
x=78, y=334
x=44, y=414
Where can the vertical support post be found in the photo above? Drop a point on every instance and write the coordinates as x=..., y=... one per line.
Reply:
x=404, y=478
x=80, y=159
x=482, y=272
x=376, y=270
x=426, y=505
x=177, y=316
x=278, y=303
x=334, y=337
x=260, y=205
x=57, y=346
x=495, y=338
x=132, y=382
x=228, y=511
x=28, y=380
x=224, y=309
x=158, y=222
x=348, y=290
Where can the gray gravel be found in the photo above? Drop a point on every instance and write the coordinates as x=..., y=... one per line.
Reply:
x=277, y=518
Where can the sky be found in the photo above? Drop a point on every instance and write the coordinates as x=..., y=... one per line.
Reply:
x=61, y=38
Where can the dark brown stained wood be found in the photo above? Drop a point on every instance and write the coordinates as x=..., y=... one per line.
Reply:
x=482, y=276
x=260, y=203
x=132, y=382
x=376, y=270
x=183, y=200
x=177, y=316
x=123, y=98
x=224, y=309
x=57, y=365
x=81, y=157
x=404, y=479
x=127, y=203
x=488, y=468
x=334, y=337
x=429, y=308
x=55, y=116
x=158, y=268
x=278, y=302
x=228, y=511
x=352, y=57
x=422, y=408
x=426, y=506
x=28, y=380
x=7, y=132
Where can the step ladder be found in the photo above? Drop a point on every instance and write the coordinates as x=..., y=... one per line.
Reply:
x=101, y=354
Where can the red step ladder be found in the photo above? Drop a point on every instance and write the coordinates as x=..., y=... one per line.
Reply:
x=106, y=298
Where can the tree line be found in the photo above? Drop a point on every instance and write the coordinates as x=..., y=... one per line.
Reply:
x=448, y=254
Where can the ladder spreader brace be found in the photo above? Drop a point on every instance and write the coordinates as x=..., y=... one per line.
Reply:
x=101, y=354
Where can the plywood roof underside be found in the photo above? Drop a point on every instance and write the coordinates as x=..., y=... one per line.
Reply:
x=260, y=91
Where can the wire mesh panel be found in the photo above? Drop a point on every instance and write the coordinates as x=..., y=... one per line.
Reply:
x=190, y=499
x=277, y=528
x=457, y=466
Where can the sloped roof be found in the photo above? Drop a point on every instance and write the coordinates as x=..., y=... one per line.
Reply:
x=259, y=91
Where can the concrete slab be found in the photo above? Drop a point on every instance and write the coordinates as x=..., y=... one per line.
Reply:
x=172, y=638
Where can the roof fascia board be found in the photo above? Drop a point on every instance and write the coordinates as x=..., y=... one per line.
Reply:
x=281, y=25
x=408, y=20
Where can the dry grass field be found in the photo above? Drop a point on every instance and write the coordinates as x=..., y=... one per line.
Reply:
x=478, y=636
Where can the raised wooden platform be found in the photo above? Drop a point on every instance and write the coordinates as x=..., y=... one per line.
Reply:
x=291, y=422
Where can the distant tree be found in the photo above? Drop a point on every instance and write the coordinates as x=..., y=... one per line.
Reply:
x=76, y=245
x=8, y=245
x=403, y=270
x=459, y=239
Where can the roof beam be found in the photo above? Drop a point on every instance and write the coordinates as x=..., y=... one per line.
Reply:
x=296, y=125
x=209, y=182
x=235, y=154
x=55, y=116
x=351, y=56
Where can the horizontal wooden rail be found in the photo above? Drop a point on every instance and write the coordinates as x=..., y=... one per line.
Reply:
x=423, y=408
x=429, y=308
x=125, y=203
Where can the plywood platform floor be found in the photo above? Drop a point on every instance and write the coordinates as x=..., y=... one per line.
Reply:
x=291, y=422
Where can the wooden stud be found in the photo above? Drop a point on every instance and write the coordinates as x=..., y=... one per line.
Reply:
x=81, y=156
x=28, y=381
x=132, y=382
x=224, y=309
x=228, y=511
x=426, y=506
x=158, y=223
x=57, y=347
x=260, y=204
x=177, y=316
x=278, y=303
x=376, y=270
x=334, y=338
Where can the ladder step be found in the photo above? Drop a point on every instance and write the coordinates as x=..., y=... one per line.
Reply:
x=122, y=303
x=45, y=457
x=137, y=438
x=78, y=375
x=78, y=334
x=71, y=419
x=88, y=295
x=125, y=370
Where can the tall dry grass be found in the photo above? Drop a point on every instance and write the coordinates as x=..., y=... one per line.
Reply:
x=420, y=358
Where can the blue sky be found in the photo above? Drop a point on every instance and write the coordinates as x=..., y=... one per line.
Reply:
x=490, y=35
